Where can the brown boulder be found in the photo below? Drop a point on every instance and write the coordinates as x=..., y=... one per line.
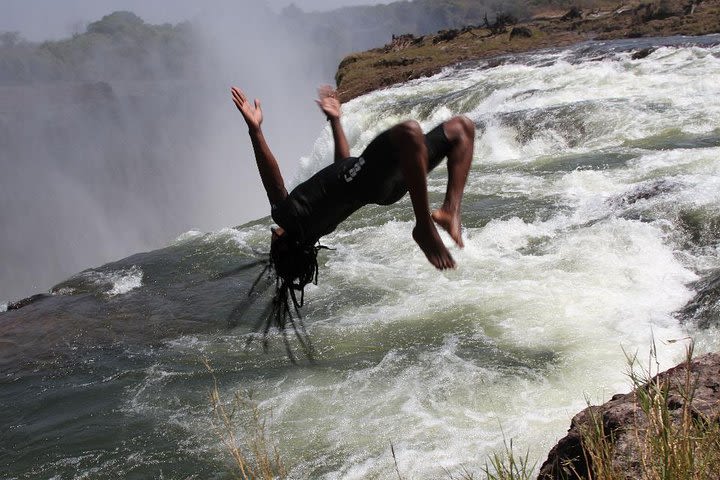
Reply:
x=625, y=424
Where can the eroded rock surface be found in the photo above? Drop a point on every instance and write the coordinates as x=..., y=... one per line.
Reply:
x=624, y=421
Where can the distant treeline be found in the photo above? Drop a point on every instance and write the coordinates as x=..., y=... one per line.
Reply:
x=122, y=46
x=119, y=46
x=351, y=29
x=359, y=28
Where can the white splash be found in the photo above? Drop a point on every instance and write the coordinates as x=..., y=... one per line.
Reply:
x=187, y=236
x=118, y=282
x=125, y=281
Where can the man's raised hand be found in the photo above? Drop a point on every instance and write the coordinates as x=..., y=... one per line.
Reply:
x=328, y=102
x=252, y=114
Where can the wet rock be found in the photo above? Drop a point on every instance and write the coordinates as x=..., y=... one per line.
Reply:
x=704, y=308
x=642, y=53
x=644, y=191
x=26, y=301
x=701, y=226
x=625, y=423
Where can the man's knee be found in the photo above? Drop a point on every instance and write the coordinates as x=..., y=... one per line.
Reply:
x=460, y=129
x=408, y=131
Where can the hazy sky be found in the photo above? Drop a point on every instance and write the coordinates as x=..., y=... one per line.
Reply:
x=51, y=19
x=129, y=176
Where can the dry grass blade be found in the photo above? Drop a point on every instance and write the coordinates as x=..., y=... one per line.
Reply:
x=260, y=457
x=397, y=469
x=675, y=441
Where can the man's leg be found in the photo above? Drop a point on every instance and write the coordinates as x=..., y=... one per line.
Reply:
x=409, y=144
x=460, y=131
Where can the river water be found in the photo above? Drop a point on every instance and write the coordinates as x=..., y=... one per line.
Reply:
x=591, y=212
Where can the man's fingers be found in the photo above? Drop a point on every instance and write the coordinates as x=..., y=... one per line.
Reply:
x=326, y=91
x=241, y=101
x=237, y=98
x=239, y=94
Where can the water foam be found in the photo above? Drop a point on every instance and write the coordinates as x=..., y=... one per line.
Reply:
x=125, y=281
x=187, y=236
x=116, y=282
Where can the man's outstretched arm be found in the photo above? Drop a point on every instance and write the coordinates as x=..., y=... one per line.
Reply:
x=267, y=165
x=330, y=105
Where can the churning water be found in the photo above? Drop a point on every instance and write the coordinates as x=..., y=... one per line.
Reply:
x=591, y=213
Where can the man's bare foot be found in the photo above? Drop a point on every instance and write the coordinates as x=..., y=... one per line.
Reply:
x=450, y=222
x=432, y=246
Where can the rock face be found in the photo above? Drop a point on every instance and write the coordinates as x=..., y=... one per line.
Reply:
x=623, y=420
x=705, y=307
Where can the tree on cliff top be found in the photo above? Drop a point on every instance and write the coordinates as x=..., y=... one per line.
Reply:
x=117, y=23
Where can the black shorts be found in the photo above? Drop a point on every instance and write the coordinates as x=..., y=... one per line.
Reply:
x=318, y=205
x=383, y=180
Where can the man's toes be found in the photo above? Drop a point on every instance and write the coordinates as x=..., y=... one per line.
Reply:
x=438, y=262
x=447, y=262
x=450, y=263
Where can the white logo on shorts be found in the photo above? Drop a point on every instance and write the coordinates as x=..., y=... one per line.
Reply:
x=352, y=173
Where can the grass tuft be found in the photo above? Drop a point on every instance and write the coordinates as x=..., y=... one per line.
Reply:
x=683, y=445
x=507, y=465
x=259, y=459
x=598, y=447
x=674, y=441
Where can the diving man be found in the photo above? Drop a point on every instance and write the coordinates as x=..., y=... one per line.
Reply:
x=396, y=162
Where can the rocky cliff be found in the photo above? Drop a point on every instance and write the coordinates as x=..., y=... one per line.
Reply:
x=408, y=57
x=670, y=422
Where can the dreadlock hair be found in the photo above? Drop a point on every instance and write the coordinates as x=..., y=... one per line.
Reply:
x=295, y=265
